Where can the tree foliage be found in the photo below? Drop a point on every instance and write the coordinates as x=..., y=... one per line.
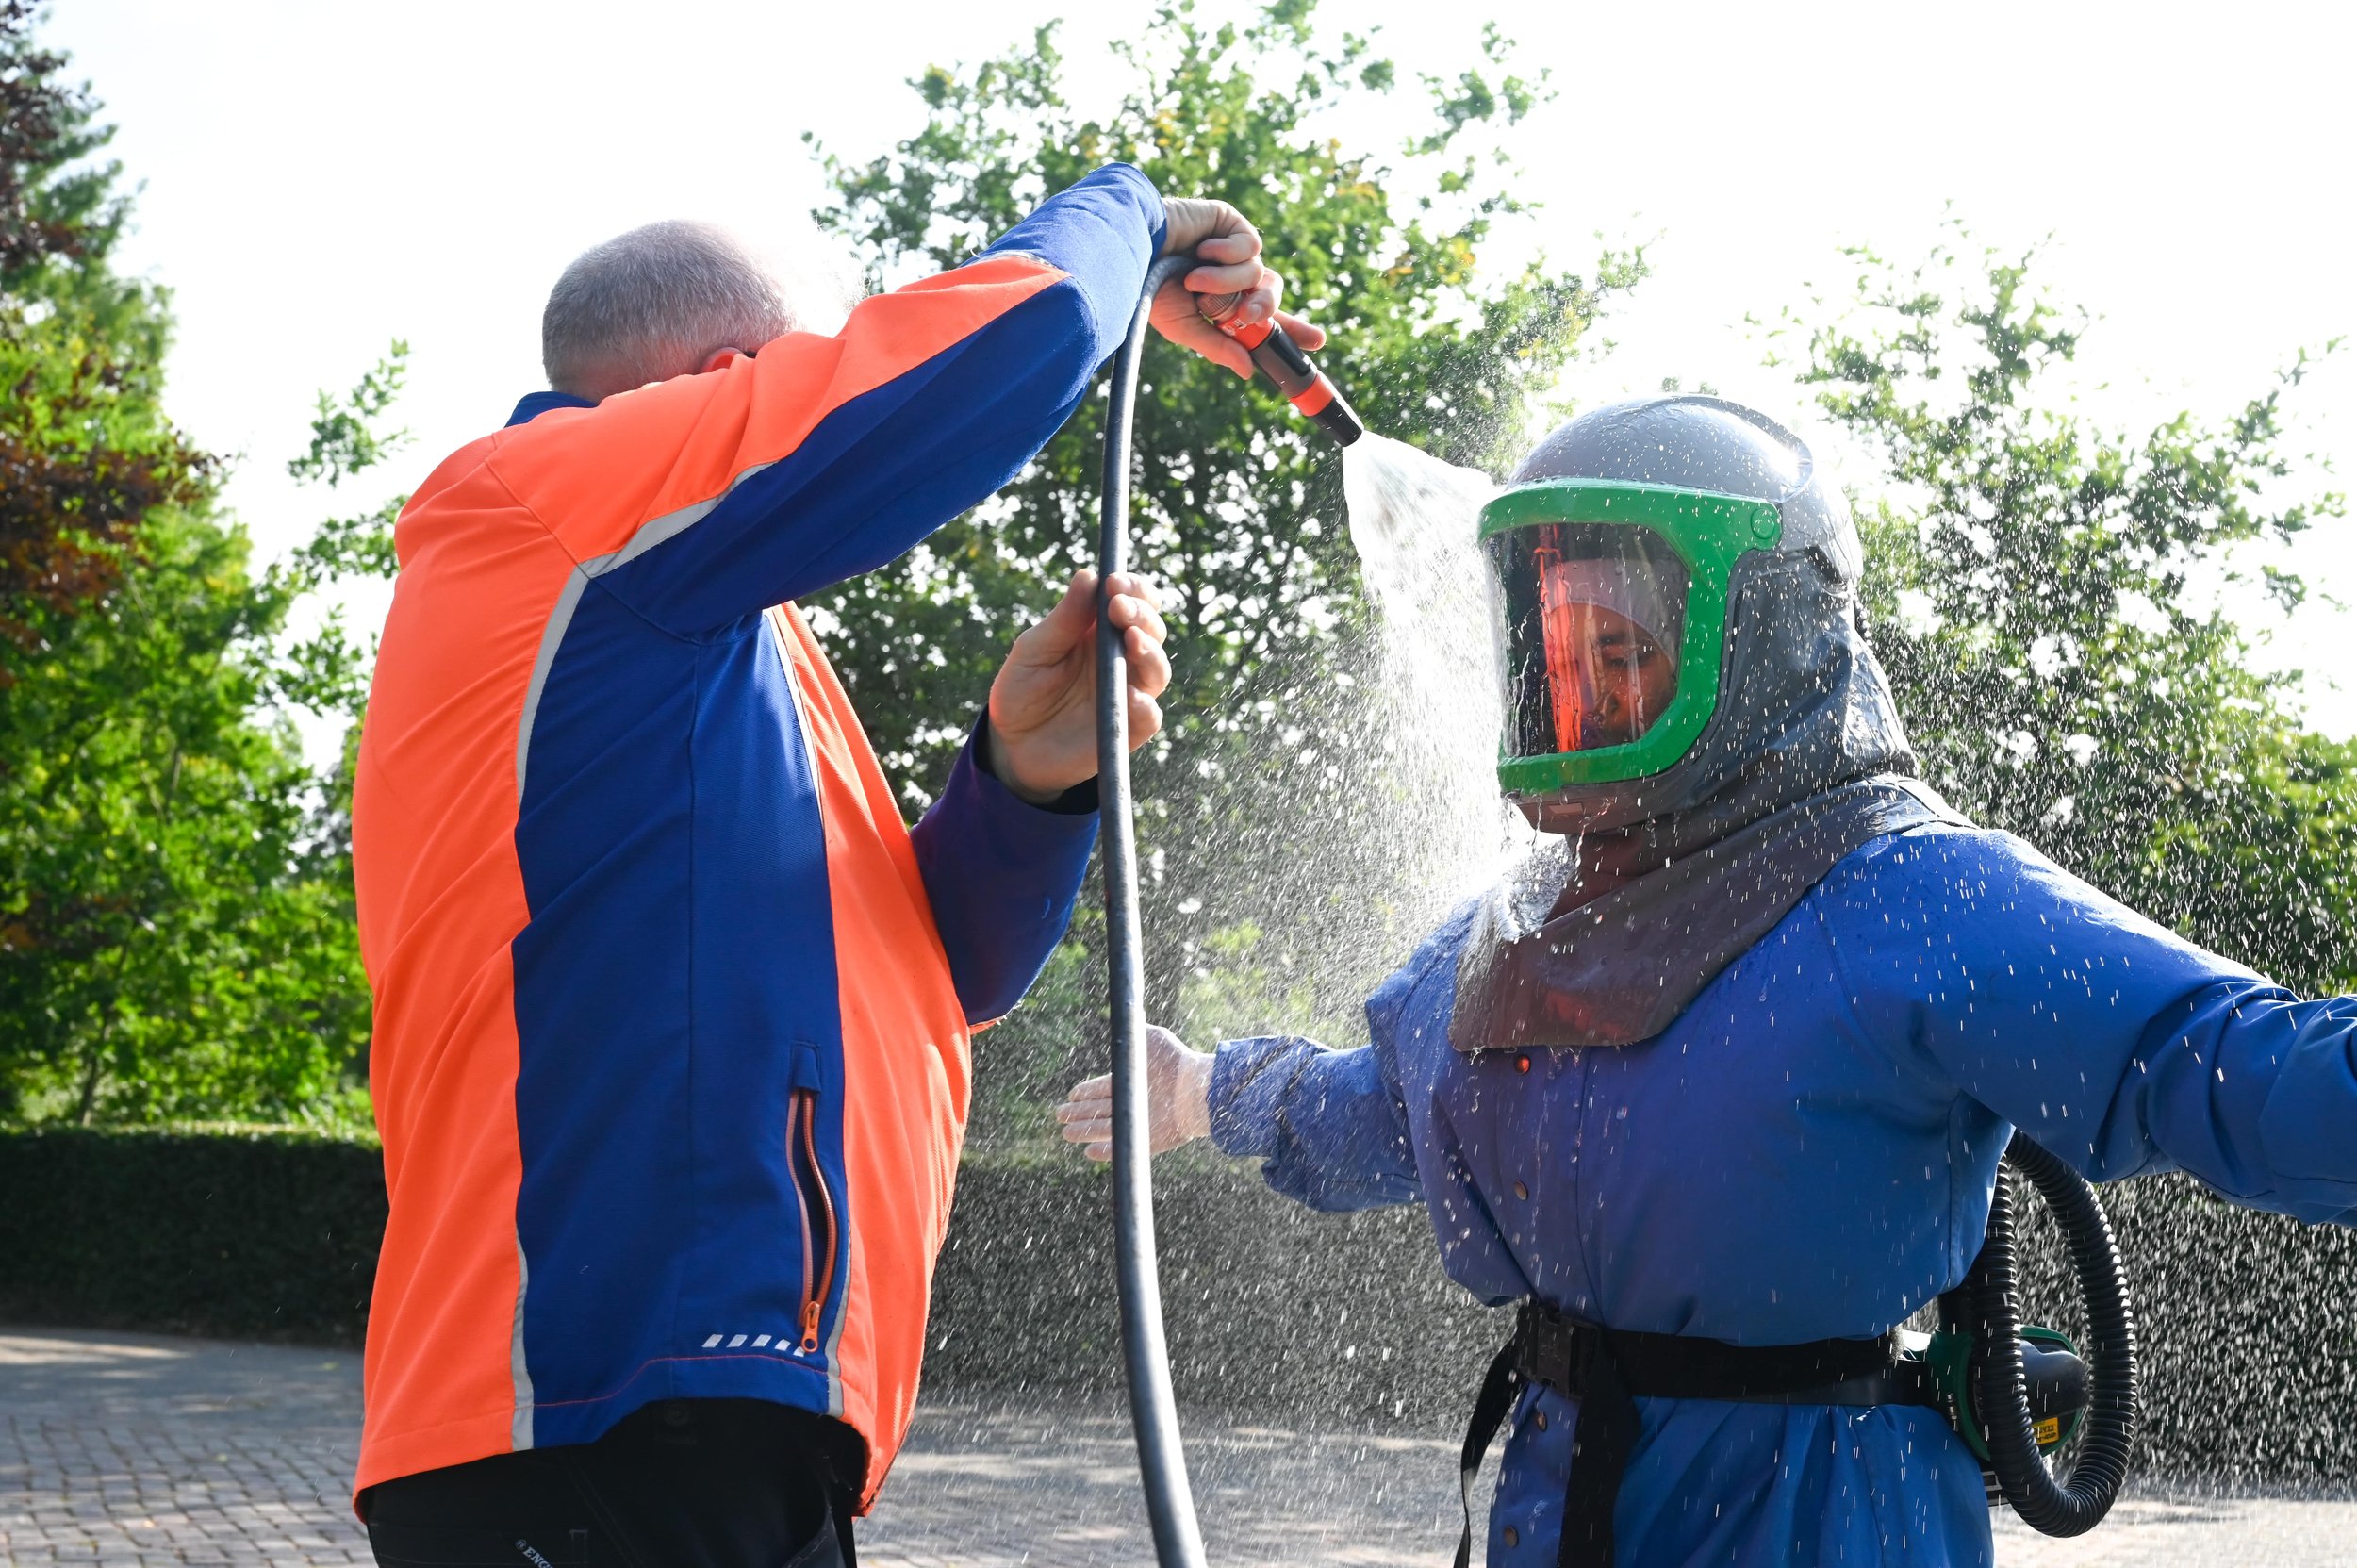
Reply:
x=1237, y=505
x=84, y=448
x=176, y=933
x=54, y=206
x=2043, y=592
x=175, y=910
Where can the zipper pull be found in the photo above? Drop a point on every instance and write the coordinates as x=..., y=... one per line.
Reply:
x=810, y=1327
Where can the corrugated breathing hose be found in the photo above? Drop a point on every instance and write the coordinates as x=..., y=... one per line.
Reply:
x=2000, y=1390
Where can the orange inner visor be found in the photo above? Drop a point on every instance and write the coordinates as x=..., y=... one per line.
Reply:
x=1608, y=678
x=1566, y=669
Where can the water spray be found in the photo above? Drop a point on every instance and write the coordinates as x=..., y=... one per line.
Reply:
x=1153, y=1413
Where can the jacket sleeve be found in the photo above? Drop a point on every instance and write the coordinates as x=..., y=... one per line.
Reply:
x=1001, y=875
x=2115, y=1044
x=706, y=499
x=1327, y=1126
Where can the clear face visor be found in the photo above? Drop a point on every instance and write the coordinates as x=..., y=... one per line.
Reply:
x=1595, y=629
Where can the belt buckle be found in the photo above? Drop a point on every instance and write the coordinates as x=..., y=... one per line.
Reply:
x=1558, y=1350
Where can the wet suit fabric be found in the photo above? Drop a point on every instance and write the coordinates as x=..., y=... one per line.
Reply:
x=1806, y=1153
x=672, y=1013
x=682, y=1483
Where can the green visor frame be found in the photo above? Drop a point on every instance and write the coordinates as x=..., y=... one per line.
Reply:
x=1709, y=533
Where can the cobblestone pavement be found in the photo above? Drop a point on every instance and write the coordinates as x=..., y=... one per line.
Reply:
x=136, y=1449
x=129, y=1448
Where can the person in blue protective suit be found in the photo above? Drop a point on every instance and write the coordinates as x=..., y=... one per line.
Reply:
x=1721, y=1075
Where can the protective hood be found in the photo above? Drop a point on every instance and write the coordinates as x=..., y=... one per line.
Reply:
x=1796, y=703
x=1689, y=702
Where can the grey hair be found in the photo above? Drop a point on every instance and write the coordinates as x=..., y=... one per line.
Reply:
x=656, y=302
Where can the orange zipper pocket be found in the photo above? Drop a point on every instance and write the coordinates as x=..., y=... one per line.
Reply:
x=818, y=1218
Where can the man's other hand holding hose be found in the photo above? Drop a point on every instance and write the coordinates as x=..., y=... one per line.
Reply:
x=1043, y=704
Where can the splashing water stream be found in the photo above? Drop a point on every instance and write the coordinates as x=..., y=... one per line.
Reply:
x=1412, y=520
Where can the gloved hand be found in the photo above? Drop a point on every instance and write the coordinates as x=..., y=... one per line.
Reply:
x=1178, y=1092
x=1231, y=280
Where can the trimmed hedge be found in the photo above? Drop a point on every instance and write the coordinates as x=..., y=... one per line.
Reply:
x=257, y=1233
x=1274, y=1313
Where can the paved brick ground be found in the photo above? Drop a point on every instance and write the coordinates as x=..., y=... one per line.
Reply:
x=131, y=1449
x=120, y=1448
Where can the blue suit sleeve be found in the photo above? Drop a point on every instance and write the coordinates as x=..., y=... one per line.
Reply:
x=2251, y=1090
x=1327, y=1126
x=1002, y=876
x=883, y=469
x=2115, y=1044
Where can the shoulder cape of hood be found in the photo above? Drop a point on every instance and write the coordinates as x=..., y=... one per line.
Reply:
x=1620, y=968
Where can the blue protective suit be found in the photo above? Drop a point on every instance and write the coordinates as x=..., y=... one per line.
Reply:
x=1807, y=1152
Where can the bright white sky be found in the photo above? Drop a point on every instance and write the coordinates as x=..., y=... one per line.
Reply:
x=322, y=178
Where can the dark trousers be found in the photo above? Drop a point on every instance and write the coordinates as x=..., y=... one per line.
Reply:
x=686, y=1483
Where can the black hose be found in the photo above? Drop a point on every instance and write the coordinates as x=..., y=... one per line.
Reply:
x=2000, y=1391
x=1161, y=1458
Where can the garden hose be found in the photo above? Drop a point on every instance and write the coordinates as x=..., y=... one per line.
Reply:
x=1162, y=1459
x=1145, y=1358
x=1170, y=1503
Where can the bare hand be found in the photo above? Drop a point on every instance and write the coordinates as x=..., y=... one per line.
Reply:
x=1177, y=1097
x=1230, y=281
x=1043, y=704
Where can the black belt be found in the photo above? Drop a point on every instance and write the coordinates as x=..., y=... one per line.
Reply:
x=1608, y=1370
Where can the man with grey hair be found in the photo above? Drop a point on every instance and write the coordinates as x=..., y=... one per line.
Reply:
x=673, y=1013
x=645, y=305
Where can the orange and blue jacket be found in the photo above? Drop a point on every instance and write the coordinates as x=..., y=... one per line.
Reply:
x=672, y=1011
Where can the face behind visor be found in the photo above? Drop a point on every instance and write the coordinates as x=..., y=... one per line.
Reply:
x=1613, y=599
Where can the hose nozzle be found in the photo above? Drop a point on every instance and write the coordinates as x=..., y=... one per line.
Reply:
x=1313, y=395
